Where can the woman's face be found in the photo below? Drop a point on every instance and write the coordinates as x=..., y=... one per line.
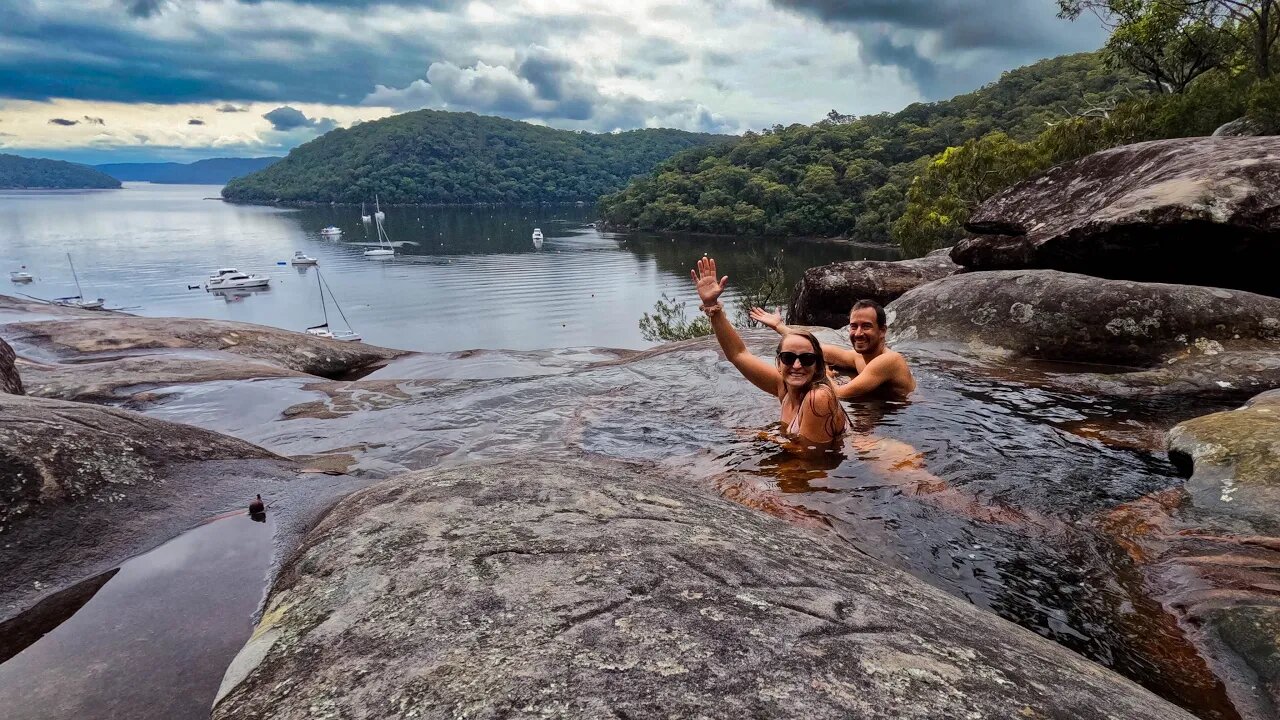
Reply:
x=796, y=375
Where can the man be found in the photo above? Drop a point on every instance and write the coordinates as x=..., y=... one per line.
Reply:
x=879, y=371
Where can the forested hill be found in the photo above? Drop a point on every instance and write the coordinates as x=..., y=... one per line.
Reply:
x=849, y=176
x=22, y=172
x=432, y=156
x=214, y=171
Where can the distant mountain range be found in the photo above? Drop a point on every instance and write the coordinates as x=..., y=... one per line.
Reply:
x=17, y=172
x=214, y=171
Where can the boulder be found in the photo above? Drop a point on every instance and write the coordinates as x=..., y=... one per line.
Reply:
x=572, y=588
x=1233, y=459
x=118, y=335
x=10, y=382
x=1240, y=127
x=1192, y=210
x=84, y=487
x=825, y=294
x=1064, y=316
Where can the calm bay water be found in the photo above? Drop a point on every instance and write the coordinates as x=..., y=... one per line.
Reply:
x=473, y=280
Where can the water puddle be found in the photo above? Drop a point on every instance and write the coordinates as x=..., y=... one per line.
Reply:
x=150, y=639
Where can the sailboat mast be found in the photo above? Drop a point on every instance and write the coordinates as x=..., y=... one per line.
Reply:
x=79, y=292
x=323, y=308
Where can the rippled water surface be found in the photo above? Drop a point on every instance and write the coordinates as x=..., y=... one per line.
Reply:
x=472, y=280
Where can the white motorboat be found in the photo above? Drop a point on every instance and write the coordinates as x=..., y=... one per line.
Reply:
x=537, y=238
x=323, y=330
x=385, y=249
x=21, y=276
x=301, y=258
x=241, y=280
x=219, y=275
x=78, y=300
x=331, y=231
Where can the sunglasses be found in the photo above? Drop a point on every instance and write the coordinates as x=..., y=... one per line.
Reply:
x=806, y=359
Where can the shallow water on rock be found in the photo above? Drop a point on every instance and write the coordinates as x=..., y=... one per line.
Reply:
x=149, y=640
x=994, y=490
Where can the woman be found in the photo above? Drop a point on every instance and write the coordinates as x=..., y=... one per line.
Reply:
x=798, y=378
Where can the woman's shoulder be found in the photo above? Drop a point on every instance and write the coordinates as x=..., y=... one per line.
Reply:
x=821, y=396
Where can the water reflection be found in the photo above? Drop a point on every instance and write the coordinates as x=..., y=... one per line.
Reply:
x=462, y=278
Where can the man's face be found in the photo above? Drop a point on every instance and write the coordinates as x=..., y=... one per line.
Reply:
x=864, y=333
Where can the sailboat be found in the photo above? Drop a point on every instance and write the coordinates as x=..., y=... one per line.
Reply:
x=363, y=217
x=384, y=249
x=323, y=330
x=77, y=301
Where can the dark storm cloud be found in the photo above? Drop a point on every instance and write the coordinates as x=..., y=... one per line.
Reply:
x=195, y=121
x=287, y=118
x=992, y=35
x=125, y=61
x=63, y=122
x=143, y=8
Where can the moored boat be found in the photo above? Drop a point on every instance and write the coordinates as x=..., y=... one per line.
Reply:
x=331, y=231
x=301, y=258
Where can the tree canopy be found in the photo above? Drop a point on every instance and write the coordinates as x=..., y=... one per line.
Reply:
x=850, y=176
x=23, y=172
x=438, y=157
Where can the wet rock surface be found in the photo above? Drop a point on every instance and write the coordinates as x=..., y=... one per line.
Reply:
x=61, y=339
x=84, y=487
x=129, y=378
x=1212, y=548
x=1190, y=210
x=580, y=588
x=1063, y=316
x=825, y=294
x=1234, y=459
x=10, y=381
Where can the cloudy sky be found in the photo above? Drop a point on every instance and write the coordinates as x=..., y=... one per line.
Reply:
x=141, y=80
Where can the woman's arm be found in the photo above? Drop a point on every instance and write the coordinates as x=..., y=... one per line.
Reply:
x=834, y=354
x=757, y=371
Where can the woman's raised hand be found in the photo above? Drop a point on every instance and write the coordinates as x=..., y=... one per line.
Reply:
x=766, y=318
x=704, y=277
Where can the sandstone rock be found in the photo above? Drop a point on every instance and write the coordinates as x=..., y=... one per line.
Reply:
x=84, y=487
x=1064, y=316
x=121, y=334
x=826, y=293
x=568, y=588
x=1222, y=377
x=1234, y=461
x=126, y=377
x=1240, y=127
x=1201, y=211
x=10, y=382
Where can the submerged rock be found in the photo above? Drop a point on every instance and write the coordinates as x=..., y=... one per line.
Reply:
x=825, y=294
x=1064, y=316
x=590, y=589
x=1190, y=210
x=120, y=334
x=1234, y=460
x=83, y=487
x=10, y=382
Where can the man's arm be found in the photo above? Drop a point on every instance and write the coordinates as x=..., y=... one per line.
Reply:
x=876, y=374
x=834, y=354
